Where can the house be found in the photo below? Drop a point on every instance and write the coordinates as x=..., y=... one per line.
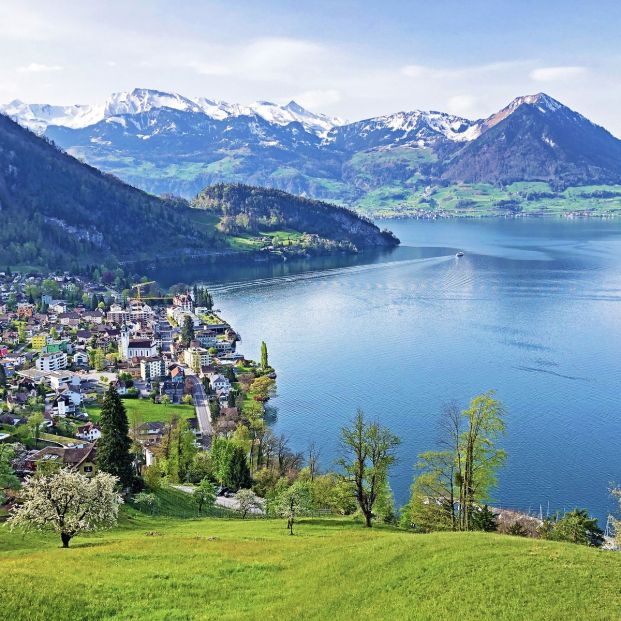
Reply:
x=52, y=362
x=12, y=419
x=184, y=302
x=219, y=383
x=25, y=310
x=151, y=433
x=96, y=316
x=80, y=359
x=196, y=357
x=139, y=311
x=177, y=374
x=80, y=458
x=39, y=342
x=89, y=432
x=152, y=368
x=205, y=338
x=58, y=306
x=63, y=406
x=117, y=314
x=59, y=379
x=69, y=318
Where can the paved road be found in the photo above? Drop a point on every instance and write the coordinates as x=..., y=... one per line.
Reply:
x=201, y=404
x=228, y=503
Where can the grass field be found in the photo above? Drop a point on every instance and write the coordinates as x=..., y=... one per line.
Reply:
x=166, y=568
x=147, y=411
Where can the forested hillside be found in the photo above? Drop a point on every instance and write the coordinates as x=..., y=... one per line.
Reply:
x=248, y=209
x=57, y=211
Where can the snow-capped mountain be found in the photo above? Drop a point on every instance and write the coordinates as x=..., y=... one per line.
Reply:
x=168, y=143
x=416, y=128
x=536, y=137
x=38, y=117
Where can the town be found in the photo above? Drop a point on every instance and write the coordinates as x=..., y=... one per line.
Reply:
x=64, y=341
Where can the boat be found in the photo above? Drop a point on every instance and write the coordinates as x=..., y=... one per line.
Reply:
x=459, y=254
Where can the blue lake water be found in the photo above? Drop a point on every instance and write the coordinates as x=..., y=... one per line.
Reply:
x=533, y=310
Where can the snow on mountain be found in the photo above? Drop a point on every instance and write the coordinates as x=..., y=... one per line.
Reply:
x=416, y=127
x=38, y=117
x=142, y=100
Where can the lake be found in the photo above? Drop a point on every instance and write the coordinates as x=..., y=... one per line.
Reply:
x=531, y=310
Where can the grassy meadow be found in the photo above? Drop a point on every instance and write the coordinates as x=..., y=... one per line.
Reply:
x=172, y=568
x=147, y=411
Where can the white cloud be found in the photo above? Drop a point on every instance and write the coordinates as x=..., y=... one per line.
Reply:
x=556, y=74
x=462, y=105
x=268, y=59
x=38, y=68
x=317, y=99
x=209, y=68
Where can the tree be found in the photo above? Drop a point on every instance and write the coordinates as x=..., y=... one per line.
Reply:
x=114, y=446
x=293, y=502
x=238, y=475
x=187, y=331
x=264, y=359
x=201, y=467
x=481, y=457
x=485, y=520
x=262, y=388
x=246, y=502
x=369, y=453
x=214, y=410
x=187, y=399
x=152, y=477
x=574, y=527
x=221, y=452
x=2, y=376
x=313, y=460
x=432, y=499
x=68, y=503
x=8, y=480
x=204, y=495
x=453, y=483
x=147, y=501
x=34, y=423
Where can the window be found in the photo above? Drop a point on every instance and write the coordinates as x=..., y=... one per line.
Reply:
x=88, y=469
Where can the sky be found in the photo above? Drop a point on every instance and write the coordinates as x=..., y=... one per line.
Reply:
x=352, y=59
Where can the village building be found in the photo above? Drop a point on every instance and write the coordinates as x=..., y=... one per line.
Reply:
x=52, y=362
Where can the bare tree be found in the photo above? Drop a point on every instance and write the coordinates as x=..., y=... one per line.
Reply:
x=313, y=460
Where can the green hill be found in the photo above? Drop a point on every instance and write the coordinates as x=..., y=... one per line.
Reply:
x=165, y=568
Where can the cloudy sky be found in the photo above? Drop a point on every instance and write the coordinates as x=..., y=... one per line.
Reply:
x=353, y=59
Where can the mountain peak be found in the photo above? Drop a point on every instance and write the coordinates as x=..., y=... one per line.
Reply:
x=543, y=101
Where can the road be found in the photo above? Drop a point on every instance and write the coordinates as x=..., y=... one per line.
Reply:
x=201, y=404
x=223, y=501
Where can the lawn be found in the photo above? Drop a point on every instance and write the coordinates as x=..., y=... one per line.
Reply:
x=163, y=568
x=147, y=410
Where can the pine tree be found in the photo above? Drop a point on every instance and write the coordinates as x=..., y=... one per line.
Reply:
x=238, y=475
x=113, y=449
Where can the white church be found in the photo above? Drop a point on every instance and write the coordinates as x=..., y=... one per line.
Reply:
x=136, y=348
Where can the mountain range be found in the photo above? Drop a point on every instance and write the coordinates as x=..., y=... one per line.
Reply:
x=531, y=154
x=59, y=212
